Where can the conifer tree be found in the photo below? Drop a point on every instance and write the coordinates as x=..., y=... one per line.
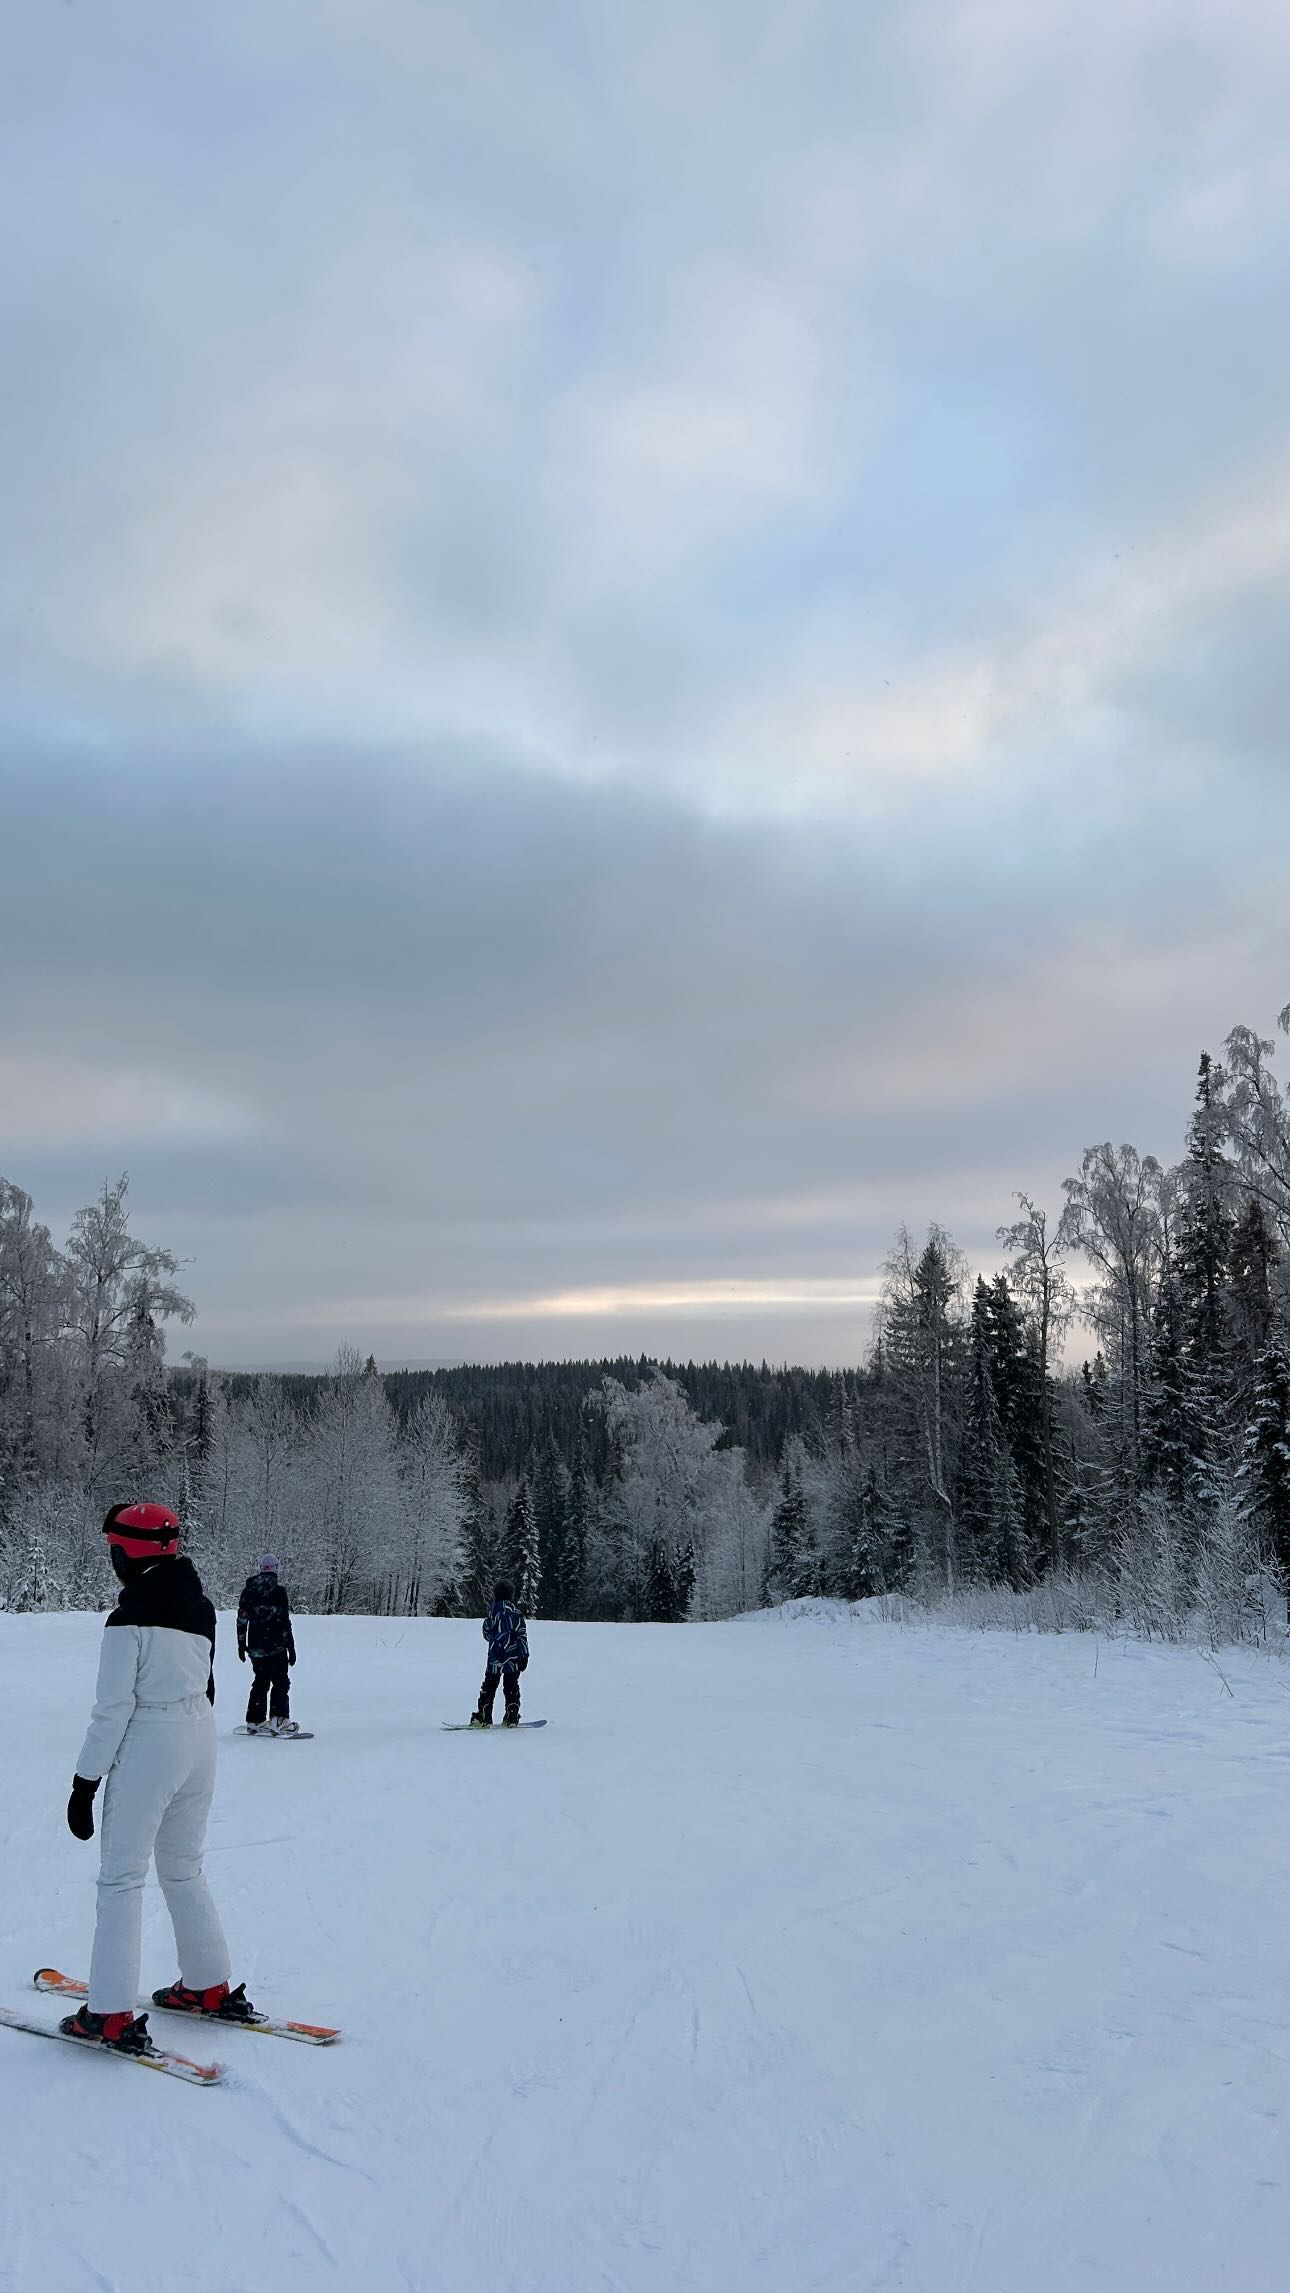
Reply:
x=1253, y=1259
x=900, y=1552
x=1265, y=1456
x=550, y=1502
x=1205, y=1229
x=792, y=1567
x=1094, y=1378
x=485, y=1549
x=871, y=1569
x=1080, y=1485
x=991, y=1526
x=1169, y=1442
x=573, y=1550
x=923, y=1349
x=146, y=1443
x=201, y=1433
x=525, y=1555
x=1020, y=1390
x=659, y=1591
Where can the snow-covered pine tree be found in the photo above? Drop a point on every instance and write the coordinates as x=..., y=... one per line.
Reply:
x=1228, y=1587
x=524, y=1554
x=36, y=1586
x=793, y=1561
x=659, y=1592
x=685, y=1575
x=1094, y=1379
x=573, y=1549
x=902, y=1555
x=1081, y=1459
x=992, y=1541
x=873, y=1566
x=979, y=1452
x=484, y=1540
x=1203, y=1230
x=1169, y=1425
x=923, y=1353
x=1253, y=1259
x=848, y=1562
x=147, y=1452
x=199, y=1434
x=1205, y=1226
x=549, y=1482
x=1264, y=1473
x=1019, y=1385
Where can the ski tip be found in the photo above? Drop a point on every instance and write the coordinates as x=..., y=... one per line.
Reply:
x=320, y=2032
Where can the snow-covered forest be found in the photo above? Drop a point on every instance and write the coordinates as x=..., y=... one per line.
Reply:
x=1103, y=1416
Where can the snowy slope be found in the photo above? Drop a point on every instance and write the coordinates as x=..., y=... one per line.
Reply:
x=793, y=1955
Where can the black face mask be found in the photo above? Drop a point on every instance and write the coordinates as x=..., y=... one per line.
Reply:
x=127, y=1569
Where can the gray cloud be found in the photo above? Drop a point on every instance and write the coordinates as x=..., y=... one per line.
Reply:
x=423, y=1037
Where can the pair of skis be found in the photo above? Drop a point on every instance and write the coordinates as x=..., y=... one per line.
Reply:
x=172, y=2065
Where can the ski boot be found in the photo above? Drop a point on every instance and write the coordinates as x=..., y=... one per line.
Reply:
x=284, y=1727
x=124, y=2033
x=219, y=2004
x=477, y=1720
x=511, y=1720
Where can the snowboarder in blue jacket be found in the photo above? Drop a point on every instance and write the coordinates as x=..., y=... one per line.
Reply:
x=508, y=1656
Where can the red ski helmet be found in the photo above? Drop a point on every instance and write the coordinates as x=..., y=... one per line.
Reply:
x=144, y=1532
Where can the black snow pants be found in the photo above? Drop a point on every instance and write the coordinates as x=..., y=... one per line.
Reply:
x=271, y=1686
x=509, y=1675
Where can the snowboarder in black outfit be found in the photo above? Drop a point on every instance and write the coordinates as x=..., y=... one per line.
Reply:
x=508, y=1656
x=264, y=1633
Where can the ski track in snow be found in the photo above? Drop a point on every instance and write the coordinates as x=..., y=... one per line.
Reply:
x=800, y=1954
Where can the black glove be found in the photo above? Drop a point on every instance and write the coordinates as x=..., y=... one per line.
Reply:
x=241, y=1655
x=523, y=1664
x=80, y=1807
x=291, y=1657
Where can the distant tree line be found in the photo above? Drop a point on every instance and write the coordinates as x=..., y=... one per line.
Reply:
x=514, y=1408
x=965, y=1452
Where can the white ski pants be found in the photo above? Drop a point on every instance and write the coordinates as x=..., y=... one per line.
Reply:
x=155, y=1801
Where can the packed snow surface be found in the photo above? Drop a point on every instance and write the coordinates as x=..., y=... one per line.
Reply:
x=799, y=1952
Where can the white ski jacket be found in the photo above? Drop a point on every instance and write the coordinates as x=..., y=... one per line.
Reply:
x=158, y=1651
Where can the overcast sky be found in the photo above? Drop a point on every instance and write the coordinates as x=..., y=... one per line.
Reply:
x=636, y=641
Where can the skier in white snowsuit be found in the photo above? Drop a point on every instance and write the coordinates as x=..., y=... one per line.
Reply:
x=152, y=1734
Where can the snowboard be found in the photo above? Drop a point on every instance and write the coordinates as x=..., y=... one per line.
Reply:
x=171, y=2065
x=309, y=2033
x=297, y=1736
x=464, y=1728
